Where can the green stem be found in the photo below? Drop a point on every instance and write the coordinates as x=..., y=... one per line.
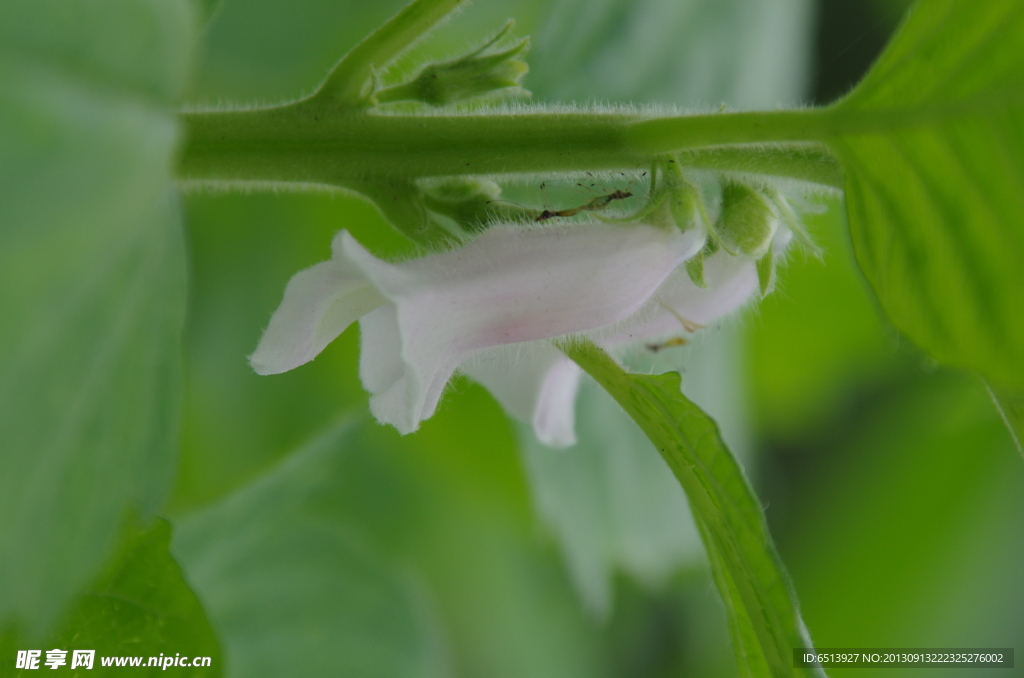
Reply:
x=346, y=81
x=307, y=143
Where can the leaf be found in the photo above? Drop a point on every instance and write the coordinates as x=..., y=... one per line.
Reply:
x=92, y=285
x=919, y=493
x=820, y=339
x=687, y=52
x=1011, y=409
x=610, y=500
x=934, y=158
x=296, y=590
x=208, y=9
x=139, y=606
x=763, y=616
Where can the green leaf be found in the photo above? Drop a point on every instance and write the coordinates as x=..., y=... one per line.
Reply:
x=208, y=9
x=139, y=606
x=763, y=616
x=1011, y=409
x=748, y=53
x=295, y=589
x=92, y=285
x=89, y=386
x=932, y=143
x=817, y=341
x=918, y=493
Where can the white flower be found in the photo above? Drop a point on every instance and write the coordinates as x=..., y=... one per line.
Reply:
x=490, y=309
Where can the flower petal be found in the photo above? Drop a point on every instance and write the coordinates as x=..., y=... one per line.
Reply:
x=731, y=282
x=319, y=303
x=554, y=419
x=510, y=285
x=535, y=383
x=399, y=397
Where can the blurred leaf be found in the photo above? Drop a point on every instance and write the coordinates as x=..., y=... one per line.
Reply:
x=207, y=9
x=763, y=615
x=91, y=283
x=935, y=169
x=890, y=10
x=610, y=500
x=128, y=52
x=295, y=591
x=907, y=532
x=508, y=604
x=269, y=50
x=687, y=52
x=139, y=606
x=1011, y=408
x=818, y=338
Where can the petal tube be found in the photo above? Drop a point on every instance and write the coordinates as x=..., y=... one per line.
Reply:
x=319, y=303
x=731, y=282
x=512, y=284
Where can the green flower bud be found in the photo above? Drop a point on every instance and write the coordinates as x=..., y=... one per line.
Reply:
x=674, y=202
x=472, y=203
x=475, y=74
x=747, y=222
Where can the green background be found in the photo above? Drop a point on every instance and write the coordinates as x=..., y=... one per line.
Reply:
x=319, y=543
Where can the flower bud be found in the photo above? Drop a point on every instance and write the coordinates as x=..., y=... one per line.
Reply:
x=747, y=223
x=472, y=203
x=474, y=74
x=675, y=202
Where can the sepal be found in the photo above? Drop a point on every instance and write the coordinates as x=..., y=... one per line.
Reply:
x=695, y=269
x=747, y=222
x=766, y=272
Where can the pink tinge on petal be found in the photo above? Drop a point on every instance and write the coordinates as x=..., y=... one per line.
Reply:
x=517, y=284
x=511, y=285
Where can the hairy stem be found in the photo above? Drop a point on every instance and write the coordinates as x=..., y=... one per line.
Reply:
x=310, y=143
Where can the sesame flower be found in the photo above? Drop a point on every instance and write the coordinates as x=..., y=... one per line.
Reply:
x=492, y=308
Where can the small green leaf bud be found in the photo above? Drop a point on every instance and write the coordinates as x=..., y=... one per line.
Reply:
x=475, y=74
x=747, y=223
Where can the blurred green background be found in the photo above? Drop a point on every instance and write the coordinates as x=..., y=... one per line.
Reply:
x=320, y=543
x=892, y=489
